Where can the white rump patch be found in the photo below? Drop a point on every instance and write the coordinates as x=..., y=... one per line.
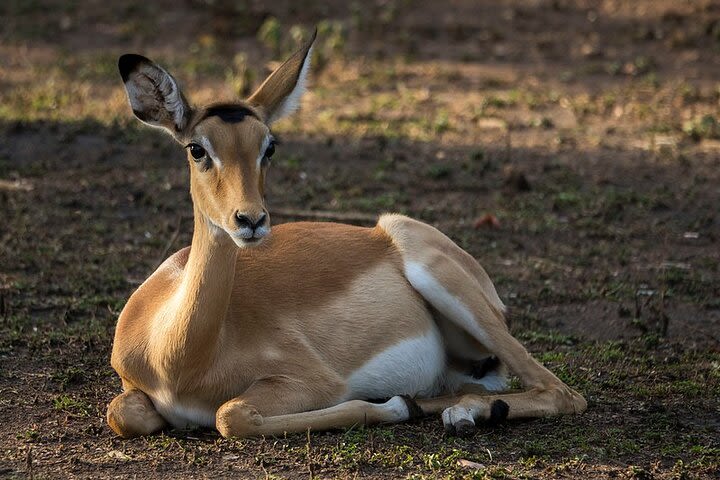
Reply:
x=448, y=304
x=292, y=101
x=412, y=367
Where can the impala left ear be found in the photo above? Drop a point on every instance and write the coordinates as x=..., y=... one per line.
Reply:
x=280, y=93
x=154, y=94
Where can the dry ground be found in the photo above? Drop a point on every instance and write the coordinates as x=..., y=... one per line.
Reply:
x=589, y=129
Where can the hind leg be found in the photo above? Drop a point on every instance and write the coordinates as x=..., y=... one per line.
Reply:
x=460, y=413
x=457, y=287
x=546, y=395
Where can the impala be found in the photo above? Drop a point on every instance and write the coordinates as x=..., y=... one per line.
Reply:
x=315, y=325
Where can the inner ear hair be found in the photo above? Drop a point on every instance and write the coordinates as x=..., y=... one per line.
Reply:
x=154, y=94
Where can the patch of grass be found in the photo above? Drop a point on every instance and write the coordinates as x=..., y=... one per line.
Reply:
x=547, y=337
x=543, y=122
x=28, y=435
x=551, y=357
x=69, y=376
x=705, y=127
x=160, y=442
x=388, y=201
x=611, y=352
x=401, y=457
x=270, y=34
x=567, y=199
x=498, y=101
x=445, y=460
x=71, y=405
x=292, y=162
x=438, y=171
x=441, y=123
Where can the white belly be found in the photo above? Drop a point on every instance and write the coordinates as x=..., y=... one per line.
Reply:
x=414, y=367
x=178, y=414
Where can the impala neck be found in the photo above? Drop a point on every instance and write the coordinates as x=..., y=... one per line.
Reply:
x=205, y=290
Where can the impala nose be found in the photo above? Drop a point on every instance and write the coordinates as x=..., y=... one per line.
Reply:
x=243, y=221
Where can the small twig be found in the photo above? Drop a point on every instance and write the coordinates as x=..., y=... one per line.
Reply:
x=311, y=468
x=15, y=186
x=357, y=217
x=664, y=319
x=29, y=464
x=508, y=146
x=261, y=457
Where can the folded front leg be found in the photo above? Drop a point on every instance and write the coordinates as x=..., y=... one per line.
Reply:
x=132, y=414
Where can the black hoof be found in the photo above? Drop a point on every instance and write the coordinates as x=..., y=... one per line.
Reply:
x=464, y=428
x=414, y=410
x=498, y=412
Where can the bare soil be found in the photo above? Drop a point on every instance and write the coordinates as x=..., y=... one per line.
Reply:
x=590, y=130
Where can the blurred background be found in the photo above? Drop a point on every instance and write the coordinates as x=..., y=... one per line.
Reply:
x=570, y=145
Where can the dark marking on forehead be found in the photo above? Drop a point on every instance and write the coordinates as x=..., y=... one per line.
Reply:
x=230, y=113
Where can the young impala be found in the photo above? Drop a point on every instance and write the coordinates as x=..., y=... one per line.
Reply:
x=256, y=333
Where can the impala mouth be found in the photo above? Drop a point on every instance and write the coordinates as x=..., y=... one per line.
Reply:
x=249, y=242
x=250, y=238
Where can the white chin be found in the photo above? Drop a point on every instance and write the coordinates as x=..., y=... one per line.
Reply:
x=247, y=242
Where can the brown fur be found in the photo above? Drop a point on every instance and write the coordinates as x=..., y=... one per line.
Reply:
x=304, y=292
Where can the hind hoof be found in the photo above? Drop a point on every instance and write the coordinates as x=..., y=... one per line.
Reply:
x=458, y=421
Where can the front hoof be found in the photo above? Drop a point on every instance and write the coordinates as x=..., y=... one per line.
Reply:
x=237, y=420
x=132, y=414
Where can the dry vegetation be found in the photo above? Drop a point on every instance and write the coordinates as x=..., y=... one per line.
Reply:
x=589, y=129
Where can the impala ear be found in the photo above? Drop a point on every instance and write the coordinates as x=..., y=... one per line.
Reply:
x=154, y=94
x=280, y=93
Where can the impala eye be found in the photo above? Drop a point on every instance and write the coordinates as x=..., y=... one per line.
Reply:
x=270, y=150
x=197, y=152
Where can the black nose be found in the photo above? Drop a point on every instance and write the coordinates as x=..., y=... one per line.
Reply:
x=245, y=221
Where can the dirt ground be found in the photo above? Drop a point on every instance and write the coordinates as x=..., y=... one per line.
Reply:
x=590, y=130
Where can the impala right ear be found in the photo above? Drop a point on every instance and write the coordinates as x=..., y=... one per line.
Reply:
x=154, y=94
x=280, y=93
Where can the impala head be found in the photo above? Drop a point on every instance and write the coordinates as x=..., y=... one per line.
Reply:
x=228, y=145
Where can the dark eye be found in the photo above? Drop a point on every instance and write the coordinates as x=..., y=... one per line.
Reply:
x=270, y=149
x=196, y=151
